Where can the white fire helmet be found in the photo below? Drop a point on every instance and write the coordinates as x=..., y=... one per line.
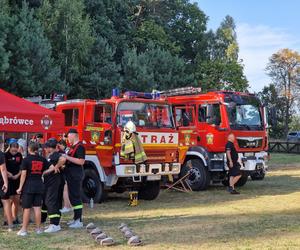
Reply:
x=130, y=127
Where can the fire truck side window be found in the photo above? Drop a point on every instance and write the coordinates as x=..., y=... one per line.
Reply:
x=103, y=114
x=184, y=117
x=210, y=113
x=71, y=117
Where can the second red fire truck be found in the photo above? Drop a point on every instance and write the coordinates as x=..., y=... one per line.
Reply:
x=211, y=117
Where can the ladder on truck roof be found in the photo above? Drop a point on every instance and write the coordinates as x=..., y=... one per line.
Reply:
x=181, y=91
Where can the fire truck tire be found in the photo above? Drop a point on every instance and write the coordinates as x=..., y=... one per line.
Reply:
x=243, y=180
x=92, y=187
x=258, y=176
x=150, y=190
x=199, y=178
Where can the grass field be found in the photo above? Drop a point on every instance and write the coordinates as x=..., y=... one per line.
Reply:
x=265, y=216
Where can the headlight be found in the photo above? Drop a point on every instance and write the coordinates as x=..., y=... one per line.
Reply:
x=129, y=169
x=219, y=156
x=176, y=168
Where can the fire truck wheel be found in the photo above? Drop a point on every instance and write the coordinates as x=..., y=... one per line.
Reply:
x=199, y=178
x=92, y=187
x=258, y=176
x=150, y=190
x=242, y=181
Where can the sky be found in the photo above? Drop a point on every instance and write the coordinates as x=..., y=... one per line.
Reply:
x=263, y=27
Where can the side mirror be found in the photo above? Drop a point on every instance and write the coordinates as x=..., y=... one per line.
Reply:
x=272, y=117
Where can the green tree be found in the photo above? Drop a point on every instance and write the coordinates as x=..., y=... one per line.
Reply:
x=284, y=70
x=149, y=31
x=182, y=21
x=5, y=22
x=111, y=19
x=68, y=28
x=225, y=44
x=154, y=69
x=102, y=73
x=31, y=68
x=221, y=68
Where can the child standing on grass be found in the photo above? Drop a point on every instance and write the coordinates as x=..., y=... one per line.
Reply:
x=32, y=187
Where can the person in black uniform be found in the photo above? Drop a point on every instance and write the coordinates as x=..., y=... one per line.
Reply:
x=4, y=196
x=232, y=163
x=32, y=186
x=13, y=162
x=74, y=175
x=53, y=187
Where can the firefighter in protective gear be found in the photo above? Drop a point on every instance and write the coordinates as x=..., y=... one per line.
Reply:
x=132, y=147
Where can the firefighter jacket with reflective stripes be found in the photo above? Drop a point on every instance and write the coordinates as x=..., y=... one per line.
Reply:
x=132, y=148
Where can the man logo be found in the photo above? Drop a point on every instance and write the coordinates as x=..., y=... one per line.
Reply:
x=46, y=122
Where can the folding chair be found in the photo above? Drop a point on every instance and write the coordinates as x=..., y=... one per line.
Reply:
x=181, y=185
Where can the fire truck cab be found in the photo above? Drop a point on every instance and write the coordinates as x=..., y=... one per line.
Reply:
x=100, y=125
x=213, y=116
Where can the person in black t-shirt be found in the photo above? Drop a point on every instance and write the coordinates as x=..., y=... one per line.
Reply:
x=4, y=189
x=13, y=162
x=32, y=186
x=74, y=175
x=232, y=163
x=54, y=187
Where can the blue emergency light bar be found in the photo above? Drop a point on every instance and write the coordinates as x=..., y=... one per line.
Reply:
x=131, y=94
x=135, y=94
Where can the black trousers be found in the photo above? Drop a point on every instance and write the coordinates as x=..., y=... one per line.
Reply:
x=74, y=177
x=53, y=197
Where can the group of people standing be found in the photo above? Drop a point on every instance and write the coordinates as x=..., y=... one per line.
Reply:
x=38, y=180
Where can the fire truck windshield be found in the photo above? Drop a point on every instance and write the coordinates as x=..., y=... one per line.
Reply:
x=244, y=113
x=150, y=115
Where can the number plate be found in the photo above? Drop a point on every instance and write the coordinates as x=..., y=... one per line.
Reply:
x=153, y=177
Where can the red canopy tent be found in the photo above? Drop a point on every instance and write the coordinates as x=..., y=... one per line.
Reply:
x=19, y=115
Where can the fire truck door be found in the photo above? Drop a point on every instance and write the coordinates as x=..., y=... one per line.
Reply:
x=185, y=123
x=104, y=136
x=211, y=128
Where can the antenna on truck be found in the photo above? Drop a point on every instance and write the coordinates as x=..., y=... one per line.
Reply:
x=181, y=91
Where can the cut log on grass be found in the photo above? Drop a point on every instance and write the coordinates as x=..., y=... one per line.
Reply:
x=107, y=242
x=134, y=241
x=122, y=225
x=128, y=234
x=95, y=232
x=100, y=237
x=90, y=227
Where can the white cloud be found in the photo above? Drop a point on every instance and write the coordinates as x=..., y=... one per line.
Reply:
x=257, y=44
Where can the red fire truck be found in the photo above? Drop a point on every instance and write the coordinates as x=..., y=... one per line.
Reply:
x=100, y=125
x=211, y=117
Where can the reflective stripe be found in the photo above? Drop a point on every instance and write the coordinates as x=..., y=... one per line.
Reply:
x=44, y=211
x=54, y=216
x=78, y=207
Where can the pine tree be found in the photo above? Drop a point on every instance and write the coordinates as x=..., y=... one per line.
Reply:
x=31, y=68
x=154, y=69
x=102, y=72
x=68, y=29
x=5, y=22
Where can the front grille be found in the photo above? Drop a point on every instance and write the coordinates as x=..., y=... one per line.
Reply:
x=250, y=142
